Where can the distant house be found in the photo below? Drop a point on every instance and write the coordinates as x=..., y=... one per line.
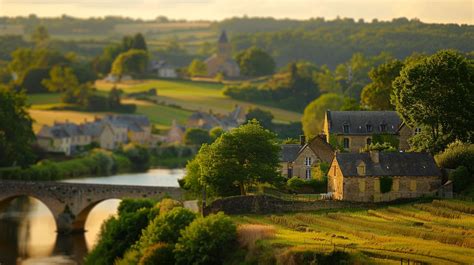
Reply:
x=364, y=176
x=222, y=61
x=353, y=130
x=164, y=69
x=100, y=133
x=299, y=159
x=175, y=133
x=66, y=138
x=131, y=128
x=210, y=120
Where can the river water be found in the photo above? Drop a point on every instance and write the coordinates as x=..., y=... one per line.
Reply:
x=27, y=227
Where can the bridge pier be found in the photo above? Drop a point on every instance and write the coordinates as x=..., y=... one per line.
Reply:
x=65, y=223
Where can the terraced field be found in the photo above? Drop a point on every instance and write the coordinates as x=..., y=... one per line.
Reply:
x=440, y=232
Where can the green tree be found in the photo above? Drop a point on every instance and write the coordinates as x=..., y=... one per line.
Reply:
x=264, y=117
x=215, y=133
x=196, y=136
x=197, y=68
x=139, y=42
x=326, y=81
x=255, y=62
x=206, y=241
x=240, y=157
x=130, y=62
x=114, y=98
x=32, y=82
x=40, y=36
x=61, y=79
x=376, y=95
x=437, y=92
x=16, y=133
x=313, y=116
x=158, y=254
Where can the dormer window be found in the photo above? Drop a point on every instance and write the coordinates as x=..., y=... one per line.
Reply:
x=368, y=127
x=383, y=127
x=346, y=128
x=361, y=169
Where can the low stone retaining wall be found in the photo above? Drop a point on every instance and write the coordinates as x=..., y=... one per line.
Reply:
x=263, y=204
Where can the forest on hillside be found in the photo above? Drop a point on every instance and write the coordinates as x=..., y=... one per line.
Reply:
x=320, y=41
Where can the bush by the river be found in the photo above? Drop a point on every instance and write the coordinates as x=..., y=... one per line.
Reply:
x=96, y=163
x=119, y=233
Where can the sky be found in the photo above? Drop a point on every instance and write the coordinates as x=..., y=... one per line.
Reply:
x=436, y=11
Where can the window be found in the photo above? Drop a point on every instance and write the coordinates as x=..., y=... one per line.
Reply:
x=369, y=141
x=368, y=127
x=307, y=161
x=417, y=131
x=383, y=127
x=346, y=128
x=308, y=173
x=346, y=143
x=335, y=169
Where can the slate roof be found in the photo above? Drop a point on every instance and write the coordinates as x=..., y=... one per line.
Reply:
x=129, y=119
x=223, y=37
x=289, y=152
x=93, y=129
x=322, y=149
x=358, y=121
x=390, y=164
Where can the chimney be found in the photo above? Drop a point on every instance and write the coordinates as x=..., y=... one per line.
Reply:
x=302, y=140
x=374, y=156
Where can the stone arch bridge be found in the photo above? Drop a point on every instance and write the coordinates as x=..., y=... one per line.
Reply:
x=70, y=203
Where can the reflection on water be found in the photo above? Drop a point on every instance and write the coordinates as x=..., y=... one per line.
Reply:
x=27, y=227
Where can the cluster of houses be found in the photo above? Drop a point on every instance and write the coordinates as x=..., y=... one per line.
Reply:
x=205, y=121
x=108, y=132
x=358, y=176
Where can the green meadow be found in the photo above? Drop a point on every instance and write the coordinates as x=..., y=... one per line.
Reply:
x=177, y=100
x=440, y=232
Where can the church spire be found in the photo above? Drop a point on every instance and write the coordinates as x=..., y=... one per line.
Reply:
x=223, y=37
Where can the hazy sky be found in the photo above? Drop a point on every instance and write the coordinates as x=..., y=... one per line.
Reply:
x=444, y=11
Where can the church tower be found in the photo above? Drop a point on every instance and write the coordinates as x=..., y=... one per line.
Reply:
x=224, y=49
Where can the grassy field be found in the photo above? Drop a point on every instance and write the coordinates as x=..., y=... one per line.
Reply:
x=440, y=232
x=197, y=96
x=189, y=96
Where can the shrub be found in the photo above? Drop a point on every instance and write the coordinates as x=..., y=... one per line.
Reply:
x=133, y=205
x=455, y=155
x=295, y=183
x=167, y=205
x=117, y=235
x=461, y=178
x=131, y=257
x=165, y=228
x=206, y=241
x=158, y=254
x=138, y=155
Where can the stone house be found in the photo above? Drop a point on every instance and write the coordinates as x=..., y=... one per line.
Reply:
x=210, y=120
x=100, y=133
x=299, y=159
x=222, y=61
x=164, y=70
x=66, y=138
x=382, y=176
x=130, y=128
x=175, y=133
x=354, y=130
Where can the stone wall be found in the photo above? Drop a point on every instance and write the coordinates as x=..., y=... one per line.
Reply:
x=367, y=189
x=263, y=204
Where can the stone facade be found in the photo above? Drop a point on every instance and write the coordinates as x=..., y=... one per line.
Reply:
x=357, y=177
x=70, y=203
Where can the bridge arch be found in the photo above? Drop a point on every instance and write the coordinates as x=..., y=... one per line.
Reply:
x=79, y=223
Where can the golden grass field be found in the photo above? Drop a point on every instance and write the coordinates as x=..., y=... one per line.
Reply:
x=440, y=232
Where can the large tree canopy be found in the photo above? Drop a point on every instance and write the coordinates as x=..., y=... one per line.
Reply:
x=245, y=155
x=130, y=62
x=255, y=62
x=376, y=95
x=16, y=133
x=437, y=94
x=313, y=116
